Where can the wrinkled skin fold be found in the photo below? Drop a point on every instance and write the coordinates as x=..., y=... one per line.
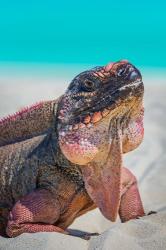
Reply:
x=106, y=179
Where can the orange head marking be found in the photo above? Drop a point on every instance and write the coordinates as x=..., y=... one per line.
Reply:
x=96, y=117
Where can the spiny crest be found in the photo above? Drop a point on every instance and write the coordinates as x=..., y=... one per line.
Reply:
x=21, y=112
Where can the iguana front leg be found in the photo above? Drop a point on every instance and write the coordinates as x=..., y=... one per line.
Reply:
x=130, y=204
x=36, y=212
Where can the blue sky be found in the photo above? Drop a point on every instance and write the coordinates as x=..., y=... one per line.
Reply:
x=92, y=32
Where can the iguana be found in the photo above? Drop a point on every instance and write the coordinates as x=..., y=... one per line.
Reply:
x=60, y=159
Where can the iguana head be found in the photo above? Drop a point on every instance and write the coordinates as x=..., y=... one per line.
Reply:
x=97, y=103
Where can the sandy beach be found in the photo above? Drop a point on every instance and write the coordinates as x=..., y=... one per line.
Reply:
x=148, y=163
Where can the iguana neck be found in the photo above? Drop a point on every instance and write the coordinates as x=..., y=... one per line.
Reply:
x=28, y=122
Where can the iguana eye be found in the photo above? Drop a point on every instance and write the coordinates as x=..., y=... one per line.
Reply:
x=89, y=85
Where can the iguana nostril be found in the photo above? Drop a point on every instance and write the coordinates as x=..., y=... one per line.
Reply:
x=134, y=75
x=128, y=72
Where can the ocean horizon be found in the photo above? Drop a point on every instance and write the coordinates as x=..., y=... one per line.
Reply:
x=64, y=70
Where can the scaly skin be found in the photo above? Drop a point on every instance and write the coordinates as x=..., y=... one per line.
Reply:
x=61, y=173
x=28, y=122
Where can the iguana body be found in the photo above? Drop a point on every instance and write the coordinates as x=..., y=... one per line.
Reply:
x=73, y=162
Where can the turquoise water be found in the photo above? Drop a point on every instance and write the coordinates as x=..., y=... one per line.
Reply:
x=83, y=32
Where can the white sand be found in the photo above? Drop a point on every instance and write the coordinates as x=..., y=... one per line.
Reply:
x=148, y=163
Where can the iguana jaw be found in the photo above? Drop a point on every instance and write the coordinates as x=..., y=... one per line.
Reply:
x=91, y=143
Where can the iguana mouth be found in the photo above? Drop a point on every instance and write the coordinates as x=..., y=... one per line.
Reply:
x=133, y=84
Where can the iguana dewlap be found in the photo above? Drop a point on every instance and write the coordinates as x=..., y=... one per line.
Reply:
x=60, y=159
